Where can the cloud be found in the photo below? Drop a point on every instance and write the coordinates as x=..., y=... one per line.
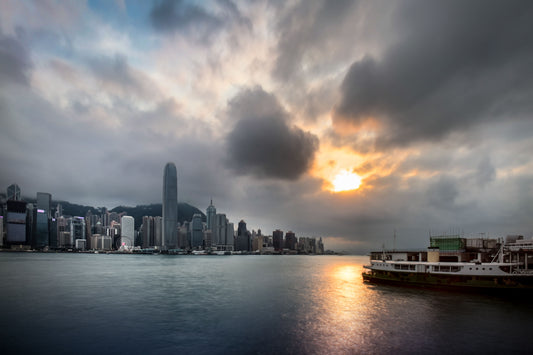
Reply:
x=15, y=62
x=309, y=34
x=116, y=73
x=180, y=16
x=453, y=66
x=263, y=143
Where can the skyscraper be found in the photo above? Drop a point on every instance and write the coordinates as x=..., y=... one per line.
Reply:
x=42, y=233
x=127, y=235
x=211, y=213
x=170, y=207
x=197, y=232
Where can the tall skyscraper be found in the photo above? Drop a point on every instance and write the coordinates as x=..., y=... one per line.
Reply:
x=197, y=232
x=211, y=213
x=13, y=192
x=170, y=207
x=277, y=239
x=42, y=232
x=127, y=234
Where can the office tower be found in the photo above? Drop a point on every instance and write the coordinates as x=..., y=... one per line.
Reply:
x=320, y=247
x=197, y=233
x=277, y=239
x=52, y=241
x=290, y=240
x=170, y=207
x=76, y=227
x=148, y=232
x=211, y=213
x=230, y=236
x=62, y=227
x=127, y=235
x=42, y=231
x=207, y=239
x=157, y=231
x=183, y=236
x=13, y=192
x=242, y=241
x=16, y=222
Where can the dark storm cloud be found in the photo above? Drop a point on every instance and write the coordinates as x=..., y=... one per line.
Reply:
x=309, y=28
x=454, y=65
x=181, y=16
x=15, y=62
x=263, y=143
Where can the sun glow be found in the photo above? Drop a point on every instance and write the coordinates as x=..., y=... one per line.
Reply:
x=345, y=181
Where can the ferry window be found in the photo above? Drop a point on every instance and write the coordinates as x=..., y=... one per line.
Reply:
x=477, y=268
x=490, y=268
x=470, y=268
x=483, y=269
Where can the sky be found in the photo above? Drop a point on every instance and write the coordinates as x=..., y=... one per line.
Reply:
x=347, y=120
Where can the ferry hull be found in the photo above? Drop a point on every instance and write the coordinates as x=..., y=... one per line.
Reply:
x=456, y=282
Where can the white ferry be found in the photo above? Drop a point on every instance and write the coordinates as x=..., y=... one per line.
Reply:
x=455, y=262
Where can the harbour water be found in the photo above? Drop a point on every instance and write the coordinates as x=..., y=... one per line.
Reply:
x=98, y=303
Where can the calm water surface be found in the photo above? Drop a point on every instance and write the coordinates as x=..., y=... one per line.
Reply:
x=88, y=303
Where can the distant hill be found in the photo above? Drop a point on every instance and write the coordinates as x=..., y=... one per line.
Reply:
x=185, y=211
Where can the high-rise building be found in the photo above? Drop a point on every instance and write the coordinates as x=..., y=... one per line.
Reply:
x=197, y=233
x=13, y=192
x=277, y=240
x=127, y=235
x=77, y=228
x=170, y=207
x=16, y=222
x=42, y=223
x=242, y=241
x=211, y=213
x=148, y=232
x=291, y=241
x=158, y=231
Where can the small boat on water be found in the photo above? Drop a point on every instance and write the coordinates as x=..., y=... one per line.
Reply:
x=453, y=262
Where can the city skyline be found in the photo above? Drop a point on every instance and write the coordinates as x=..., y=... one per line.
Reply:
x=347, y=120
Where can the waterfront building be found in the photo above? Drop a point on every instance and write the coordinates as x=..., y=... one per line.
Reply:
x=320, y=246
x=101, y=242
x=52, y=241
x=257, y=243
x=158, y=231
x=127, y=234
x=148, y=232
x=242, y=240
x=16, y=222
x=277, y=240
x=61, y=227
x=197, y=233
x=211, y=214
x=170, y=207
x=207, y=239
x=65, y=240
x=13, y=192
x=183, y=236
x=80, y=244
x=42, y=220
x=290, y=240
x=76, y=226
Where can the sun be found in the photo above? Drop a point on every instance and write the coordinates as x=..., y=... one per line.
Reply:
x=345, y=181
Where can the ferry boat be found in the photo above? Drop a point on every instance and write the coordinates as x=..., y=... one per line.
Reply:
x=457, y=263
